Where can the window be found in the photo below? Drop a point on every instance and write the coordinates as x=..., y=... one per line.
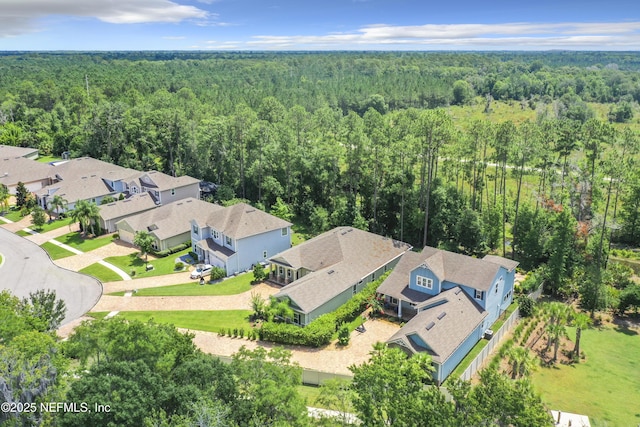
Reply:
x=478, y=294
x=297, y=318
x=216, y=235
x=134, y=190
x=227, y=240
x=499, y=282
x=285, y=231
x=288, y=274
x=393, y=300
x=173, y=191
x=424, y=282
x=355, y=289
x=195, y=229
x=281, y=270
x=264, y=254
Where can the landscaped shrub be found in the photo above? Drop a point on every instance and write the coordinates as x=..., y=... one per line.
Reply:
x=172, y=250
x=526, y=305
x=218, y=273
x=179, y=266
x=344, y=335
x=320, y=331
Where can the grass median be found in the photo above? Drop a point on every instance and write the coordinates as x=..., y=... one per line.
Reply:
x=78, y=241
x=101, y=273
x=197, y=320
x=231, y=286
x=133, y=263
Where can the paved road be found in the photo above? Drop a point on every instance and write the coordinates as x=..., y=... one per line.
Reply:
x=27, y=268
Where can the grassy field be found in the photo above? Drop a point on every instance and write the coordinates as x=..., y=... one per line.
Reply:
x=55, y=251
x=231, y=286
x=210, y=321
x=101, y=273
x=22, y=233
x=133, y=263
x=604, y=386
x=77, y=241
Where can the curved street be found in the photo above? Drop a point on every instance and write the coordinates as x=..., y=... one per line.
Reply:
x=27, y=268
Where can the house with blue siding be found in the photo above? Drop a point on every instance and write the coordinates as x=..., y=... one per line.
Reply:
x=238, y=237
x=449, y=299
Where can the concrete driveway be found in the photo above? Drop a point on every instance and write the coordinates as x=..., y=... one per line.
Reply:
x=27, y=268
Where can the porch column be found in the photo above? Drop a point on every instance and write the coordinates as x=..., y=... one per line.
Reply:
x=400, y=309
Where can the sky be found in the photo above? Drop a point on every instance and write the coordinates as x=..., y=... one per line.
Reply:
x=44, y=25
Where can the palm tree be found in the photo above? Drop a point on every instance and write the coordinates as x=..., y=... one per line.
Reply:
x=521, y=361
x=58, y=202
x=581, y=321
x=86, y=214
x=4, y=198
x=558, y=317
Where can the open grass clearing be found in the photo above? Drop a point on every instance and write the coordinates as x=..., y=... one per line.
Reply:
x=101, y=273
x=604, y=386
x=198, y=320
x=134, y=265
x=77, y=241
x=55, y=251
x=231, y=286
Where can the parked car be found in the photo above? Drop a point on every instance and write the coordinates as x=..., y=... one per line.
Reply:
x=201, y=270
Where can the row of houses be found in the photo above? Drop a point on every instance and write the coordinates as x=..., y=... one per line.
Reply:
x=448, y=300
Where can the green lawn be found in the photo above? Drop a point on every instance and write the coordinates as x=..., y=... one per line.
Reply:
x=12, y=215
x=76, y=240
x=98, y=315
x=133, y=262
x=48, y=159
x=23, y=233
x=101, y=273
x=53, y=225
x=604, y=386
x=211, y=321
x=231, y=286
x=55, y=251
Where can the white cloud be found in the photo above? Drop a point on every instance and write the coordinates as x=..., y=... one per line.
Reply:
x=20, y=16
x=515, y=36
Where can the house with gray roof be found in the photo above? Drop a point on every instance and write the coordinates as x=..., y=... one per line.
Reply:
x=113, y=212
x=162, y=187
x=9, y=151
x=323, y=273
x=237, y=237
x=168, y=224
x=14, y=169
x=450, y=299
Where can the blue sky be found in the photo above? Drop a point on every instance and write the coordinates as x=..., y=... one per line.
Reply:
x=319, y=25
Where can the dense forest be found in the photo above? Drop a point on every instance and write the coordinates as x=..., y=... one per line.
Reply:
x=474, y=152
x=528, y=155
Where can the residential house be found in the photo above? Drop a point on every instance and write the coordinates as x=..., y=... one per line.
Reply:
x=237, y=237
x=14, y=169
x=113, y=212
x=162, y=187
x=168, y=224
x=323, y=273
x=9, y=151
x=450, y=299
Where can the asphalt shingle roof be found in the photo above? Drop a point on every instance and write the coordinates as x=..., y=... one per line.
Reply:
x=132, y=205
x=20, y=169
x=338, y=259
x=9, y=151
x=241, y=220
x=450, y=320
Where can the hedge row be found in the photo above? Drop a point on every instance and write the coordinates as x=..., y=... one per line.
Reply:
x=173, y=250
x=320, y=330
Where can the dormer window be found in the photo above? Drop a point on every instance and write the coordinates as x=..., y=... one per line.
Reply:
x=195, y=229
x=216, y=235
x=227, y=240
x=478, y=294
x=424, y=282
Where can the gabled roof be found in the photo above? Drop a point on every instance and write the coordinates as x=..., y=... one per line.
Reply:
x=130, y=206
x=452, y=318
x=16, y=169
x=9, y=151
x=163, y=182
x=84, y=188
x=171, y=219
x=241, y=220
x=337, y=260
x=447, y=266
x=87, y=167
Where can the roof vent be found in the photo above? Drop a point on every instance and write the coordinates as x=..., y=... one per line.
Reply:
x=331, y=271
x=441, y=315
x=430, y=325
x=458, y=291
x=152, y=227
